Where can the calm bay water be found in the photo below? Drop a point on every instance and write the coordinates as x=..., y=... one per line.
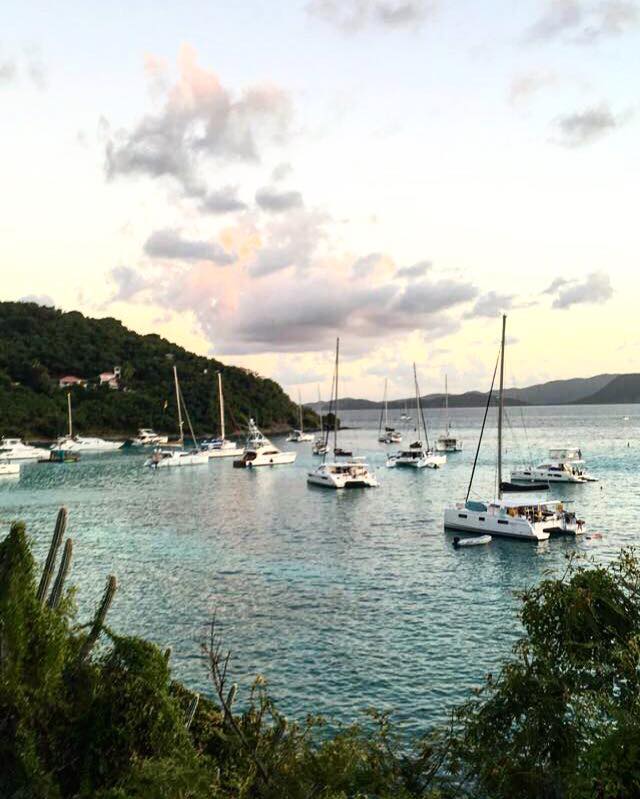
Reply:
x=341, y=600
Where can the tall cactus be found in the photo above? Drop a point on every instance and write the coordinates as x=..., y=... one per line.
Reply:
x=98, y=619
x=47, y=574
x=65, y=563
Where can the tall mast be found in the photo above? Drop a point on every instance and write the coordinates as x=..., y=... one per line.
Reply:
x=300, y=410
x=180, y=422
x=500, y=407
x=415, y=381
x=335, y=413
x=221, y=403
x=386, y=405
x=320, y=407
x=446, y=403
x=69, y=414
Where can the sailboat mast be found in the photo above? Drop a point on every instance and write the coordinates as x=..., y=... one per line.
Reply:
x=69, y=414
x=180, y=422
x=300, y=410
x=501, y=407
x=335, y=416
x=415, y=381
x=221, y=403
x=386, y=405
x=446, y=403
x=320, y=408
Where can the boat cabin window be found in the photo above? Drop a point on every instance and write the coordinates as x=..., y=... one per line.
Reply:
x=249, y=456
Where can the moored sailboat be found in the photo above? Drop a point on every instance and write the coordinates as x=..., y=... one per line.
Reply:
x=299, y=436
x=75, y=443
x=448, y=442
x=528, y=518
x=221, y=447
x=387, y=434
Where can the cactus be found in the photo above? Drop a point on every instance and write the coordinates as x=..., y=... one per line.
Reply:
x=65, y=563
x=98, y=619
x=192, y=710
x=47, y=574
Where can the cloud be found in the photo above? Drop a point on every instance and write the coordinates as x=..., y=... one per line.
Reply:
x=39, y=299
x=414, y=271
x=170, y=244
x=556, y=284
x=8, y=71
x=595, y=288
x=222, y=201
x=29, y=63
x=527, y=84
x=275, y=201
x=583, y=22
x=490, y=305
x=281, y=172
x=584, y=127
x=289, y=241
x=129, y=283
x=351, y=16
x=366, y=265
x=199, y=120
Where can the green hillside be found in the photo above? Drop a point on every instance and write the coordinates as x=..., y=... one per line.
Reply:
x=622, y=389
x=38, y=345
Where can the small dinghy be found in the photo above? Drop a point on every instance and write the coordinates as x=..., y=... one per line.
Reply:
x=476, y=541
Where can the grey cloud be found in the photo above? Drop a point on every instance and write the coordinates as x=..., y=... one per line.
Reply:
x=8, y=71
x=586, y=126
x=556, y=284
x=39, y=299
x=490, y=305
x=281, y=171
x=35, y=68
x=527, y=84
x=270, y=199
x=290, y=241
x=585, y=22
x=199, y=120
x=222, y=201
x=351, y=16
x=365, y=265
x=595, y=288
x=128, y=283
x=415, y=271
x=170, y=244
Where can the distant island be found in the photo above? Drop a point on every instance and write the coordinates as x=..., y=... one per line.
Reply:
x=605, y=389
x=119, y=380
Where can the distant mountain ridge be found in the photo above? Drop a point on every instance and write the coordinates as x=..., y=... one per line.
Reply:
x=602, y=389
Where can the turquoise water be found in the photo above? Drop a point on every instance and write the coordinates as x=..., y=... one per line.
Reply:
x=341, y=600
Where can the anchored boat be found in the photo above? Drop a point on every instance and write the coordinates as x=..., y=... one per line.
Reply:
x=447, y=442
x=261, y=452
x=565, y=465
x=221, y=447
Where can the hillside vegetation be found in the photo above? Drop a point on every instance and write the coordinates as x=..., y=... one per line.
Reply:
x=38, y=345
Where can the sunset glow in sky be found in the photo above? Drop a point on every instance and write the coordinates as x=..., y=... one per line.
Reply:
x=251, y=180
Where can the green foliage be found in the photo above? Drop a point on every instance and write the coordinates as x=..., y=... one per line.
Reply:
x=38, y=345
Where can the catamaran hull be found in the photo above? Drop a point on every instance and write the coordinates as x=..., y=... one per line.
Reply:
x=479, y=523
x=440, y=447
x=338, y=482
x=431, y=462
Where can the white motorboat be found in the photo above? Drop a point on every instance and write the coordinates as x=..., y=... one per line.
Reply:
x=8, y=469
x=165, y=458
x=387, y=434
x=14, y=449
x=299, y=436
x=259, y=451
x=417, y=455
x=565, y=465
x=221, y=447
x=448, y=442
x=354, y=472
x=525, y=518
x=148, y=438
x=72, y=443
x=344, y=474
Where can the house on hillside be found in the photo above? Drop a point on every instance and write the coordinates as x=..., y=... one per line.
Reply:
x=111, y=379
x=68, y=381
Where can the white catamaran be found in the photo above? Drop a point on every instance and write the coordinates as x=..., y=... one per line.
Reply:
x=386, y=434
x=417, y=455
x=447, y=442
x=299, y=436
x=221, y=447
x=71, y=443
x=349, y=473
x=527, y=518
x=165, y=458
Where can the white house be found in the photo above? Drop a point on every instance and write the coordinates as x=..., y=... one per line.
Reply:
x=112, y=379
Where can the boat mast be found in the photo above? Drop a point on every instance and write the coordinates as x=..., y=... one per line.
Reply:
x=386, y=405
x=180, y=422
x=335, y=407
x=446, y=403
x=501, y=406
x=320, y=407
x=300, y=410
x=415, y=381
x=69, y=414
x=221, y=402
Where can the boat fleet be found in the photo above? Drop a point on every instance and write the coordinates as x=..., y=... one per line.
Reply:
x=512, y=511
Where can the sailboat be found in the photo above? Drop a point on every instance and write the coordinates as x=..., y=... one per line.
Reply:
x=71, y=443
x=447, y=442
x=525, y=518
x=221, y=447
x=386, y=434
x=404, y=416
x=319, y=445
x=165, y=458
x=418, y=455
x=351, y=473
x=299, y=436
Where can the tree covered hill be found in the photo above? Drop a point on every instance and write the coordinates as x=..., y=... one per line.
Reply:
x=38, y=345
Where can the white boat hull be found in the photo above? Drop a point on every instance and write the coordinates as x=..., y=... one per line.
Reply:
x=493, y=522
x=343, y=475
x=225, y=452
x=549, y=476
x=442, y=446
x=14, y=450
x=425, y=461
x=86, y=445
x=166, y=460
x=7, y=469
x=274, y=459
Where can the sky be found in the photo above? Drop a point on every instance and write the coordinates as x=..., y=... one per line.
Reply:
x=252, y=180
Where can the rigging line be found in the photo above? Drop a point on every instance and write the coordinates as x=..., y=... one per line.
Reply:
x=484, y=420
x=186, y=413
x=526, y=435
